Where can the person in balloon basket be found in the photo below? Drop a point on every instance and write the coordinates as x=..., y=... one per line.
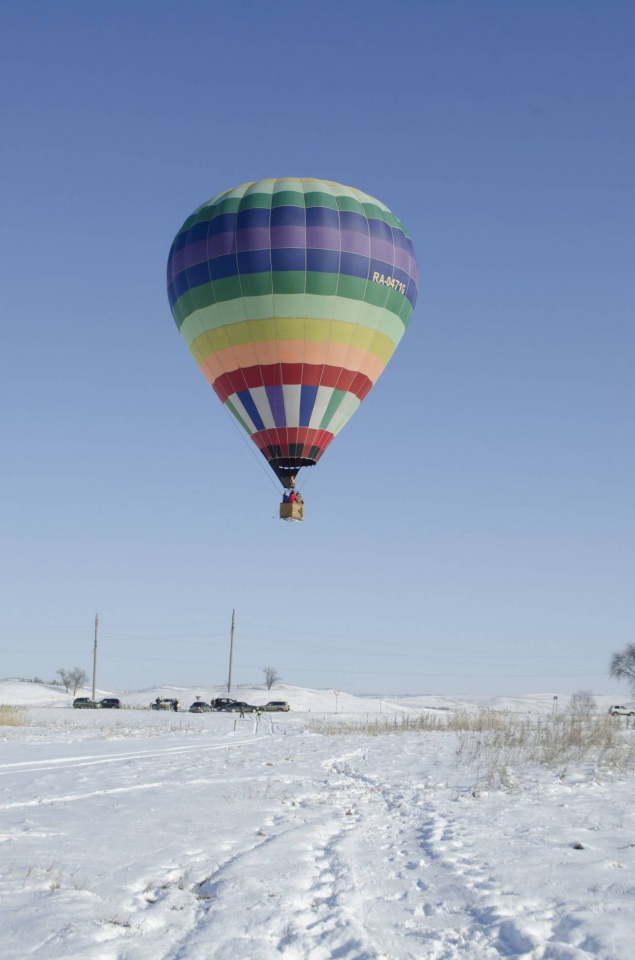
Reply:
x=285, y=497
x=293, y=497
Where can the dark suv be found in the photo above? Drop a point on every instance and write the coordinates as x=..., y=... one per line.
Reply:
x=110, y=703
x=238, y=707
x=222, y=703
x=84, y=703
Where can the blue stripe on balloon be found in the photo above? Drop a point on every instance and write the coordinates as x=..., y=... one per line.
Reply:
x=323, y=261
x=254, y=261
x=222, y=267
x=288, y=258
x=322, y=217
x=276, y=402
x=256, y=217
x=353, y=221
x=198, y=232
x=354, y=265
x=252, y=410
x=380, y=229
x=288, y=216
x=307, y=402
x=198, y=274
x=225, y=223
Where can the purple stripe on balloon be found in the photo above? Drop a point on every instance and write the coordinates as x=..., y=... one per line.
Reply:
x=287, y=235
x=355, y=242
x=276, y=402
x=402, y=259
x=253, y=238
x=195, y=253
x=323, y=238
x=176, y=264
x=414, y=271
x=221, y=244
x=382, y=249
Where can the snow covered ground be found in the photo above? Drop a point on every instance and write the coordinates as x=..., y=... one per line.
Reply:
x=137, y=835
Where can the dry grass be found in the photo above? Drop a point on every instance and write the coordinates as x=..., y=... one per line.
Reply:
x=553, y=742
x=424, y=722
x=497, y=745
x=11, y=716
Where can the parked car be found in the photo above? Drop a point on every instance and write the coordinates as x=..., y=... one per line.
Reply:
x=110, y=703
x=85, y=703
x=164, y=704
x=239, y=707
x=199, y=706
x=275, y=706
x=219, y=703
x=622, y=711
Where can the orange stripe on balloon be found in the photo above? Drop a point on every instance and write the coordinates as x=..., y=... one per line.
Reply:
x=292, y=351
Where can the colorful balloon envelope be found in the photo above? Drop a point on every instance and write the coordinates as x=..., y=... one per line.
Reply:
x=292, y=295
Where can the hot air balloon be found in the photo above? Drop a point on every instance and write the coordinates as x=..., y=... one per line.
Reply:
x=292, y=295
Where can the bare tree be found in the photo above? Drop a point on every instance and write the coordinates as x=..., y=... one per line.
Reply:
x=623, y=665
x=72, y=679
x=583, y=703
x=271, y=676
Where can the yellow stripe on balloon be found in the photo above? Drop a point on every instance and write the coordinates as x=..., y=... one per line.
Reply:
x=278, y=331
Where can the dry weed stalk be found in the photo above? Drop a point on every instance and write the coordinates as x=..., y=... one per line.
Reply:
x=12, y=716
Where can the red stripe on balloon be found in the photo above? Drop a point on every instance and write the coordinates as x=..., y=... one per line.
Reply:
x=285, y=437
x=277, y=374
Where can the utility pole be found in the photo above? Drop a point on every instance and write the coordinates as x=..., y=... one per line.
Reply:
x=231, y=653
x=95, y=655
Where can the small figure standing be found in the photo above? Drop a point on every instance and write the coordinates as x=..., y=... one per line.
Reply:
x=175, y=705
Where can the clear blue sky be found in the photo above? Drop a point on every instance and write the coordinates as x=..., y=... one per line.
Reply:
x=471, y=530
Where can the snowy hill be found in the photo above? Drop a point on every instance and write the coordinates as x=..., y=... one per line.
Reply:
x=301, y=699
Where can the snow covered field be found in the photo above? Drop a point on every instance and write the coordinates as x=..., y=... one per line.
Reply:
x=137, y=835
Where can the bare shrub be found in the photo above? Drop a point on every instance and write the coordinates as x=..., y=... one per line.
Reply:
x=582, y=703
x=271, y=676
x=623, y=665
x=73, y=679
x=12, y=716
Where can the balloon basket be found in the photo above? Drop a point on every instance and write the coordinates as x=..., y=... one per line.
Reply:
x=292, y=512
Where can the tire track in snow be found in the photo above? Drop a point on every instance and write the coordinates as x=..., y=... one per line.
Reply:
x=57, y=763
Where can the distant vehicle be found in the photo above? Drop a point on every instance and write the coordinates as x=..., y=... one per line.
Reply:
x=165, y=704
x=239, y=707
x=110, y=703
x=622, y=711
x=85, y=703
x=200, y=707
x=220, y=703
x=275, y=706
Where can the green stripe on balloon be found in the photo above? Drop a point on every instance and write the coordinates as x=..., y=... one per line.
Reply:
x=230, y=406
x=334, y=403
x=283, y=282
